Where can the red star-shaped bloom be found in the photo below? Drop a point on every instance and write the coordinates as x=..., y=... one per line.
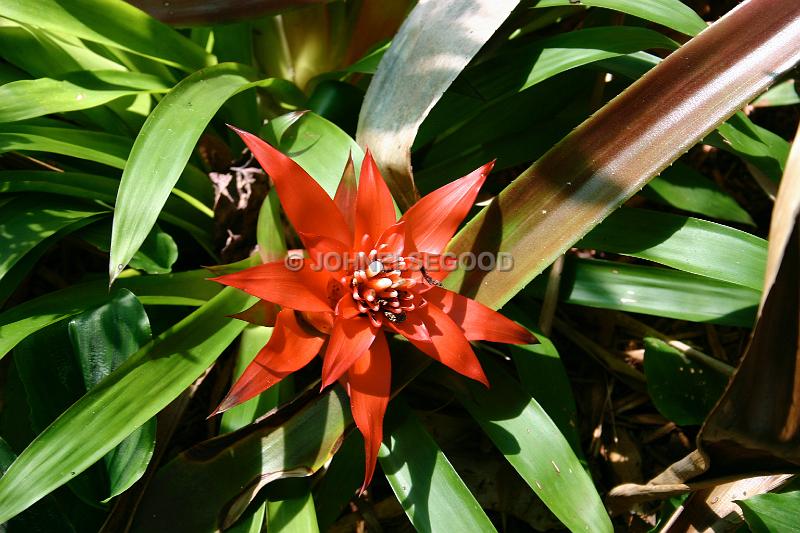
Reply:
x=383, y=287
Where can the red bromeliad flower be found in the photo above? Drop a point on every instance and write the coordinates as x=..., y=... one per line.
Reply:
x=383, y=287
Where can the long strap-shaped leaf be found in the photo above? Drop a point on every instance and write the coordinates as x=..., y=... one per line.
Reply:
x=113, y=23
x=427, y=486
x=132, y=394
x=615, y=152
x=163, y=148
x=432, y=47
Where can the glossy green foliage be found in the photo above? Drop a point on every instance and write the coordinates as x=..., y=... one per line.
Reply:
x=683, y=390
x=432, y=494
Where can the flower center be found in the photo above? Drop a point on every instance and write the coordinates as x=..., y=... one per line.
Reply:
x=381, y=287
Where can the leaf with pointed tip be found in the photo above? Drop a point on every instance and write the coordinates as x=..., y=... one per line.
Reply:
x=670, y=13
x=162, y=149
x=531, y=442
x=80, y=90
x=614, y=153
x=146, y=383
x=433, y=45
x=207, y=487
x=116, y=24
x=684, y=243
x=425, y=483
x=185, y=288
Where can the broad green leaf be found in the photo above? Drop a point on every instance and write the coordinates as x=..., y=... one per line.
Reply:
x=163, y=148
x=105, y=148
x=156, y=256
x=500, y=130
x=655, y=291
x=103, y=339
x=186, y=288
x=531, y=442
x=756, y=145
x=784, y=93
x=426, y=55
x=342, y=479
x=29, y=221
x=177, y=211
x=316, y=144
x=544, y=378
x=683, y=187
x=113, y=23
x=517, y=70
x=269, y=230
x=43, y=54
x=772, y=513
x=670, y=13
x=80, y=90
x=127, y=398
x=683, y=389
x=684, y=243
x=290, y=507
x=44, y=516
x=208, y=491
x=427, y=486
x=52, y=379
x=615, y=152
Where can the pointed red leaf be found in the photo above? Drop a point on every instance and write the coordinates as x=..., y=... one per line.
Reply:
x=303, y=290
x=306, y=204
x=478, y=322
x=413, y=328
x=434, y=219
x=448, y=344
x=262, y=313
x=370, y=384
x=345, y=197
x=350, y=339
x=374, y=207
x=290, y=348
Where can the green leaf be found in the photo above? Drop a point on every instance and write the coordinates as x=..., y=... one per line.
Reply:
x=156, y=256
x=342, y=479
x=30, y=223
x=531, y=64
x=544, y=378
x=427, y=486
x=113, y=23
x=670, y=13
x=42, y=54
x=316, y=144
x=44, y=516
x=111, y=150
x=79, y=90
x=163, y=148
x=784, y=93
x=185, y=288
x=127, y=398
x=535, y=447
x=772, y=513
x=103, y=339
x=655, y=291
x=684, y=243
x=613, y=154
x=758, y=146
x=52, y=379
x=177, y=210
x=290, y=507
x=683, y=187
x=208, y=490
x=683, y=389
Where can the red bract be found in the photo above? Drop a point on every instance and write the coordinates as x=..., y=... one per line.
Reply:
x=385, y=288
